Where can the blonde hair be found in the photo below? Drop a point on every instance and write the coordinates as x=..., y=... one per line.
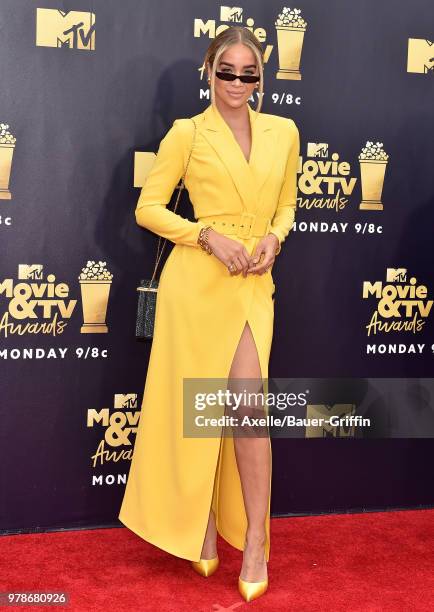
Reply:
x=231, y=36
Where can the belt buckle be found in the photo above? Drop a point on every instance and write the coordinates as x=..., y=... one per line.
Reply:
x=241, y=231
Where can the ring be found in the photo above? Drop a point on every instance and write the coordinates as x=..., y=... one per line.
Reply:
x=231, y=267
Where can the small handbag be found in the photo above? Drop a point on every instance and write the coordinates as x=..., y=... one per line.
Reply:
x=147, y=290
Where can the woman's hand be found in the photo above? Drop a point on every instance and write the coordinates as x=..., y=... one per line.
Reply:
x=265, y=248
x=229, y=252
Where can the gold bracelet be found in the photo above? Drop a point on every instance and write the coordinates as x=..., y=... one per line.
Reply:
x=203, y=239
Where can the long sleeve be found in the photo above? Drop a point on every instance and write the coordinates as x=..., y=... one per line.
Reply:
x=283, y=219
x=151, y=210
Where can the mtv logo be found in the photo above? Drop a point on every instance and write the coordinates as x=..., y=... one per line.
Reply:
x=71, y=29
x=125, y=400
x=396, y=275
x=231, y=13
x=420, y=55
x=30, y=272
x=326, y=430
x=317, y=149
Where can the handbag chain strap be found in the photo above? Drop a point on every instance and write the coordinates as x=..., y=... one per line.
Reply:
x=162, y=242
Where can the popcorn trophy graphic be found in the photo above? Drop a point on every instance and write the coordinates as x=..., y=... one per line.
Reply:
x=373, y=160
x=290, y=28
x=420, y=56
x=95, y=282
x=7, y=147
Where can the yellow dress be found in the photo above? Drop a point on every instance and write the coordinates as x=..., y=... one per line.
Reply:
x=200, y=315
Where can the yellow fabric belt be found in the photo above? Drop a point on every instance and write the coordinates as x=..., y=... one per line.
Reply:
x=244, y=225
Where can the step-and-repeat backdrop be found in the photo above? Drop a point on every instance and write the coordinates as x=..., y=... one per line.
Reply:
x=88, y=89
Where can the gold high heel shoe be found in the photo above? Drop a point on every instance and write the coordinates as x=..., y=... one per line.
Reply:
x=252, y=590
x=205, y=567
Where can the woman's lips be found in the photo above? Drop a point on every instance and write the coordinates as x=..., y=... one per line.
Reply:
x=235, y=95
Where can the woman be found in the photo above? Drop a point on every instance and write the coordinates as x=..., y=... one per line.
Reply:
x=214, y=317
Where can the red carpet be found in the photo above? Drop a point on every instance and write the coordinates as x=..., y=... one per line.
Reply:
x=376, y=562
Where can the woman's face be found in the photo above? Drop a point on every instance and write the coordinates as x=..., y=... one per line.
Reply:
x=237, y=59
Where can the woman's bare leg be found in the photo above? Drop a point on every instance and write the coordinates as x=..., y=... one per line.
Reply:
x=209, y=549
x=253, y=459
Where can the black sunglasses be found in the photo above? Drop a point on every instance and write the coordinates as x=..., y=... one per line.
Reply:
x=244, y=78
